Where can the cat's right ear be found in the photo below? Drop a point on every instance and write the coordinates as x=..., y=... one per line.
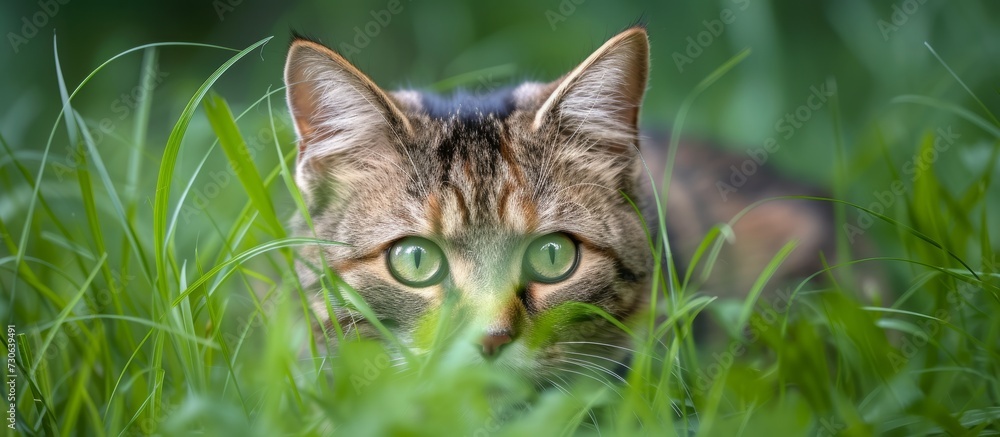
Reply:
x=600, y=98
x=338, y=110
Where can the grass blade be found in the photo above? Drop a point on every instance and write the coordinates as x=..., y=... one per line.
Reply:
x=221, y=118
x=169, y=161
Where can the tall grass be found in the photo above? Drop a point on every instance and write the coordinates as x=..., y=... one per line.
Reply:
x=174, y=309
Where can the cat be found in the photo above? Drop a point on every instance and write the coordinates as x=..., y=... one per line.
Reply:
x=513, y=204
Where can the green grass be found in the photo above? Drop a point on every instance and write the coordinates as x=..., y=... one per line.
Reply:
x=166, y=309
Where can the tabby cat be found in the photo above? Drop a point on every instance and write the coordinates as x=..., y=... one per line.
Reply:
x=509, y=205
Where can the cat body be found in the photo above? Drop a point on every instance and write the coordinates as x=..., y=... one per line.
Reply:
x=513, y=206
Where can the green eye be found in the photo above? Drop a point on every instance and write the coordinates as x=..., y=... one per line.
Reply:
x=551, y=258
x=417, y=262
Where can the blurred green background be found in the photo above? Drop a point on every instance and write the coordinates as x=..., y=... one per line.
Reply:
x=873, y=51
x=795, y=45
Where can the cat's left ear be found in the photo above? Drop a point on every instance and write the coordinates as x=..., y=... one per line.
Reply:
x=601, y=97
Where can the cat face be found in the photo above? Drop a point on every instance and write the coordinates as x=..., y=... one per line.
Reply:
x=509, y=208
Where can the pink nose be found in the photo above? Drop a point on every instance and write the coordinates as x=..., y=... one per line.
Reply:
x=493, y=341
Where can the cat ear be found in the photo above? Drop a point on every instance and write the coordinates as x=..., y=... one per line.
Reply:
x=336, y=108
x=600, y=98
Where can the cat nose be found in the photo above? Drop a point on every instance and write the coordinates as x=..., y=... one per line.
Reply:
x=493, y=341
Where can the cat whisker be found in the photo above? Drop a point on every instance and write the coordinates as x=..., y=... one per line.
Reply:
x=599, y=357
x=353, y=326
x=600, y=344
x=596, y=427
x=596, y=367
x=603, y=382
x=557, y=386
x=565, y=391
x=594, y=343
x=398, y=362
x=560, y=377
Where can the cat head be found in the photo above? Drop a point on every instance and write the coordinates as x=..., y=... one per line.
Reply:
x=514, y=208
